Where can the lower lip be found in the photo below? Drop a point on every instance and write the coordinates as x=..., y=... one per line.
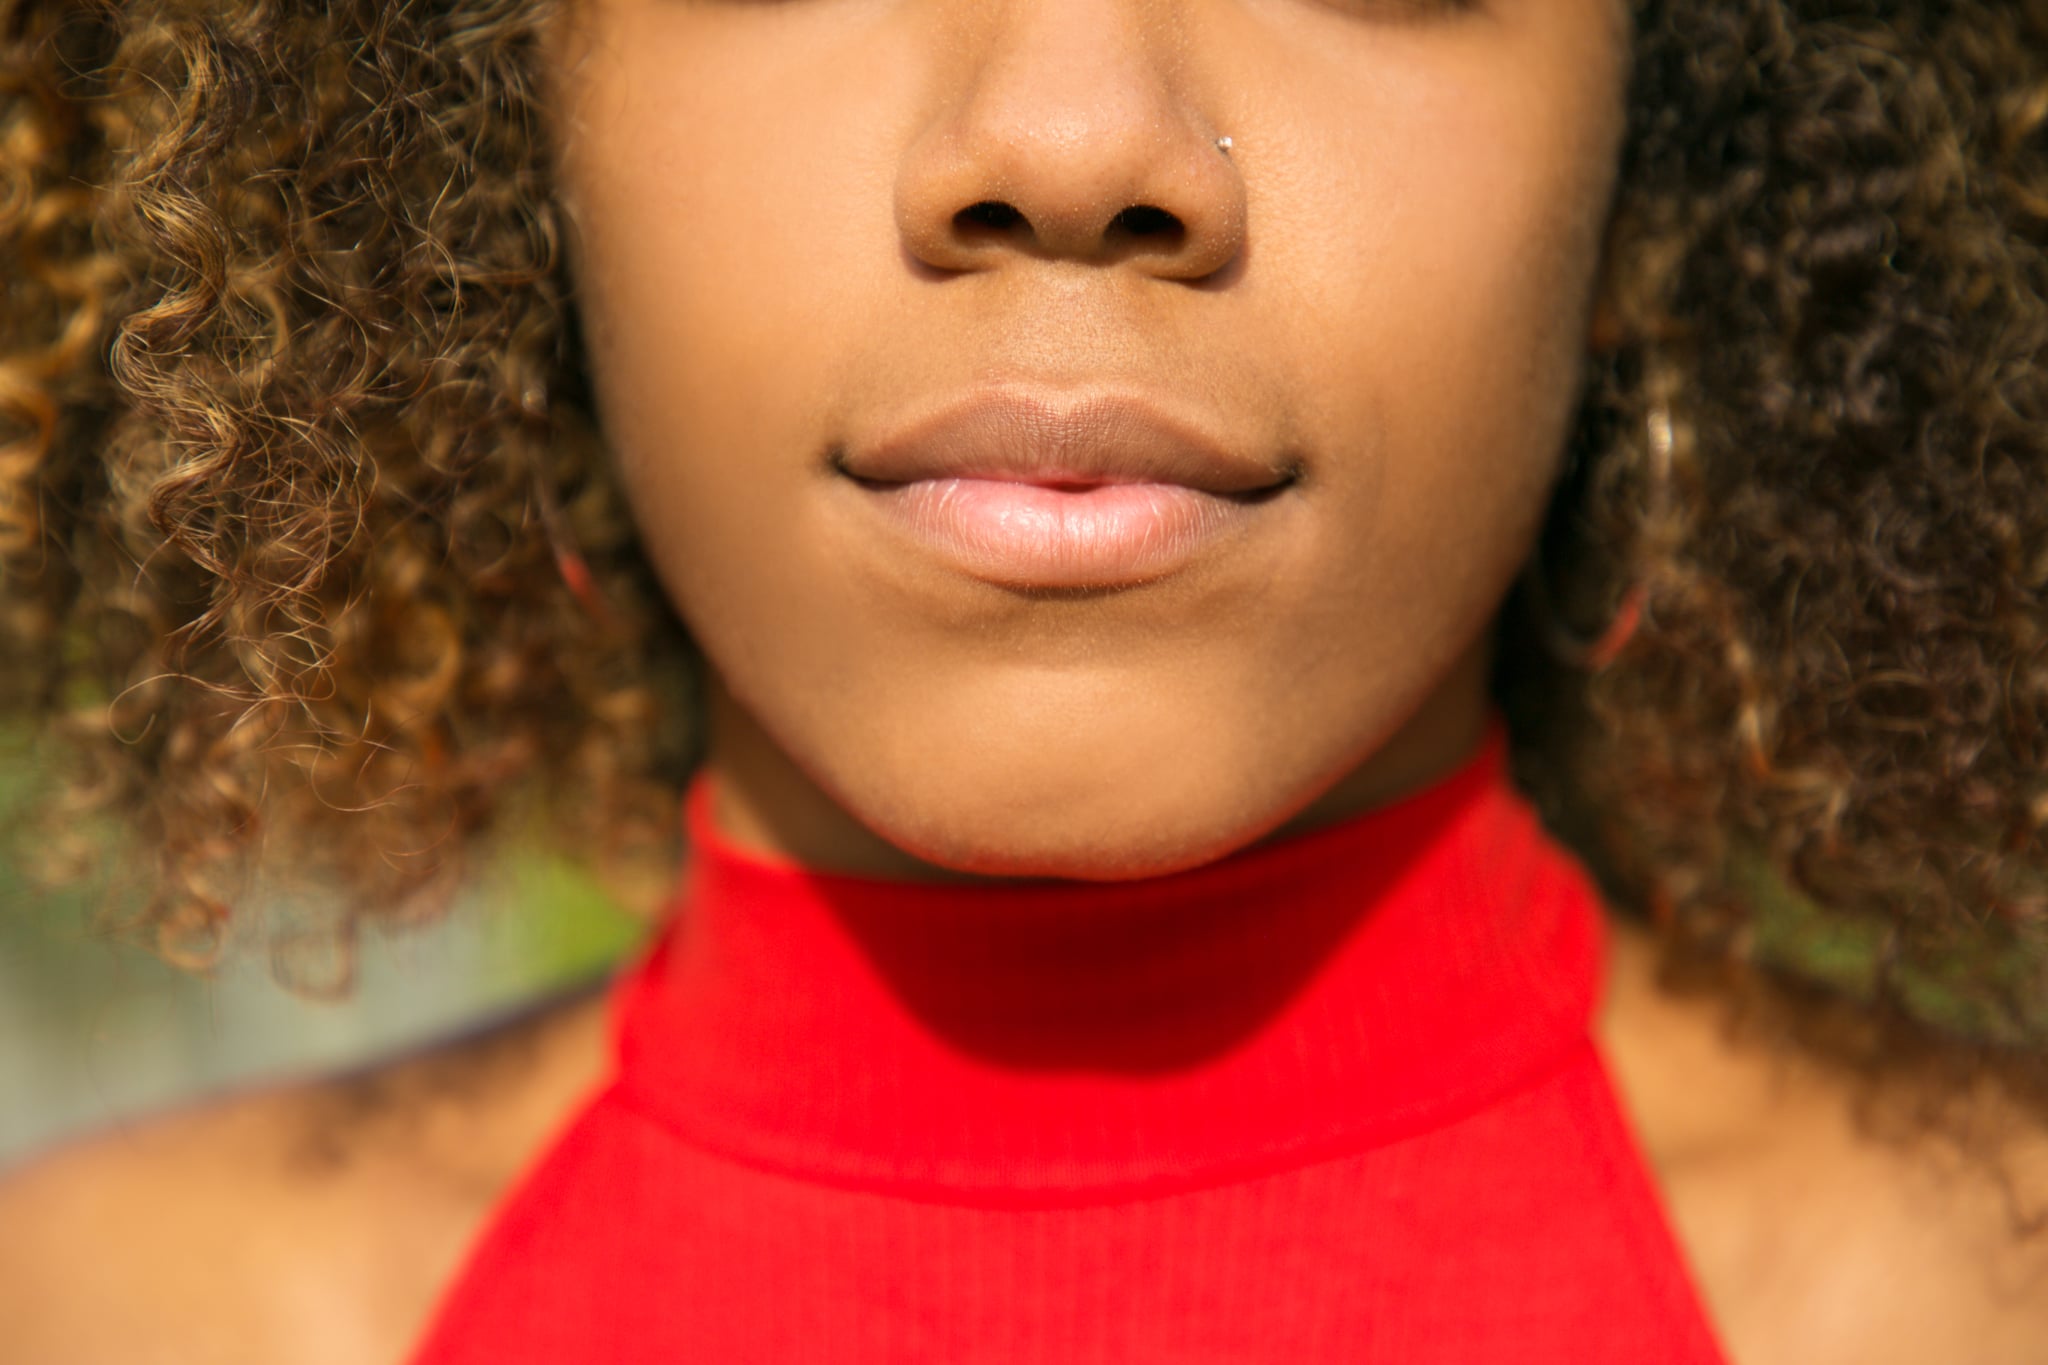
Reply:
x=1029, y=535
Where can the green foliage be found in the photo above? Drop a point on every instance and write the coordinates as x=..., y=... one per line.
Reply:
x=557, y=924
x=1941, y=984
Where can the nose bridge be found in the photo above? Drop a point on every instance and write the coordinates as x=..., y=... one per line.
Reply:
x=1069, y=112
x=1070, y=74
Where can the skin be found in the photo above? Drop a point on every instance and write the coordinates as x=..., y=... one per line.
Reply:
x=1390, y=278
x=1385, y=284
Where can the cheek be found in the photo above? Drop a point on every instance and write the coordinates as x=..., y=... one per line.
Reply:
x=721, y=173
x=1437, y=283
x=723, y=202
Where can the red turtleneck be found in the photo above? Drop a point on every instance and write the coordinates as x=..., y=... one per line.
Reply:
x=1331, y=1098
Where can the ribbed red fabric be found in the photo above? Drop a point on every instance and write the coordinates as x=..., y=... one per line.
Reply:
x=1331, y=1098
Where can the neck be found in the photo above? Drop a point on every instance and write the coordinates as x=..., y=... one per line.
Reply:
x=1060, y=1040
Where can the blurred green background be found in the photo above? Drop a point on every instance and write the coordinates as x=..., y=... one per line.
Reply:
x=93, y=1031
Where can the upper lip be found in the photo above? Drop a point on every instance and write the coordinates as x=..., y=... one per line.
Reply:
x=1025, y=437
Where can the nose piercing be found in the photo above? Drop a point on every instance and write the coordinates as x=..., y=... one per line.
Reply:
x=1223, y=145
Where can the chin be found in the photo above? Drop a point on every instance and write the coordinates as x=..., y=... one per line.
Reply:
x=1074, y=812
x=1059, y=848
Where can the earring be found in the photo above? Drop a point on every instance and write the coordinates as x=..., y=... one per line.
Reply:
x=569, y=561
x=1591, y=654
x=1585, y=654
x=1619, y=631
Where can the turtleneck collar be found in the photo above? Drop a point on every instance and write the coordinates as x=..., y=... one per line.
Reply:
x=1049, y=1042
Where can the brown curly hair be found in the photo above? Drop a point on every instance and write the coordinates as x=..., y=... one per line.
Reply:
x=309, y=556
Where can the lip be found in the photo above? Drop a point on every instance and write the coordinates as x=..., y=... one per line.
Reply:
x=1027, y=490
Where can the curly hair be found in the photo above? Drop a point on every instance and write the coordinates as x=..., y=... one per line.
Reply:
x=1813, y=453
x=286, y=471
x=309, y=554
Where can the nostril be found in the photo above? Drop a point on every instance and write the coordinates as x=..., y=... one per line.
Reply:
x=1143, y=220
x=1148, y=226
x=989, y=213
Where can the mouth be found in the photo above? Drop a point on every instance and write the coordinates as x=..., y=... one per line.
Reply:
x=1027, y=491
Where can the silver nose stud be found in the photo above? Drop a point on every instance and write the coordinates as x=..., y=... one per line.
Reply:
x=1223, y=145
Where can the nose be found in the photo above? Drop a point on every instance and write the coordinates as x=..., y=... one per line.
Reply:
x=1065, y=131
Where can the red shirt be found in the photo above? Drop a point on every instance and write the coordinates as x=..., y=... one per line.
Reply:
x=1331, y=1098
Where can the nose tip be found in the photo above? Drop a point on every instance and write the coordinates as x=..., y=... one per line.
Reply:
x=1081, y=151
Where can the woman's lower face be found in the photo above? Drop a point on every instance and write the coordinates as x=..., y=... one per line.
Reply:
x=1052, y=490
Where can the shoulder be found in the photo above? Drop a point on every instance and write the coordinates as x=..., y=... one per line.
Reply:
x=313, y=1221
x=1812, y=1238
